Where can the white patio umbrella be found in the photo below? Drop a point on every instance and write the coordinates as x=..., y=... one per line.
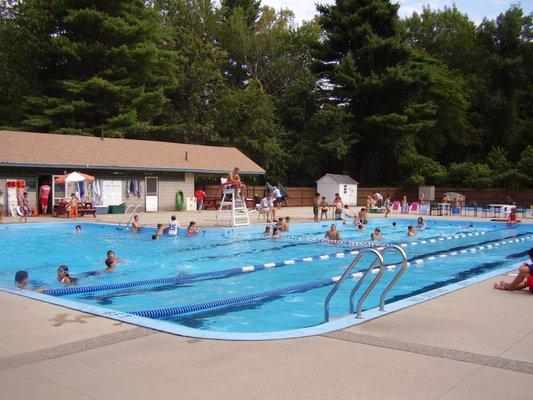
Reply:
x=74, y=177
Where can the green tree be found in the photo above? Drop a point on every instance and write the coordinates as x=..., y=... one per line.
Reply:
x=506, y=98
x=194, y=27
x=245, y=118
x=109, y=72
x=249, y=9
x=391, y=90
x=448, y=35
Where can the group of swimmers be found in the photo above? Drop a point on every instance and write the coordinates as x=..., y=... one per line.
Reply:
x=63, y=275
x=171, y=229
x=282, y=225
x=333, y=234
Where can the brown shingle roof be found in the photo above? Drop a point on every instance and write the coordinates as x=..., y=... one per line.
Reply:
x=71, y=151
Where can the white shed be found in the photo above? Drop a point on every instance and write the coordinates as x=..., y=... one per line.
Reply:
x=345, y=186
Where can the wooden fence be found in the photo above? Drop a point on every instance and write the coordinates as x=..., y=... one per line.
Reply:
x=303, y=196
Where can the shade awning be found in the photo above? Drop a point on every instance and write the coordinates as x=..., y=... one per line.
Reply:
x=74, y=177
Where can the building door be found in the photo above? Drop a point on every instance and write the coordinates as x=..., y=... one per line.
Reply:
x=58, y=191
x=152, y=187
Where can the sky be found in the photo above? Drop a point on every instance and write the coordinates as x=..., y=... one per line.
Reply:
x=476, y=9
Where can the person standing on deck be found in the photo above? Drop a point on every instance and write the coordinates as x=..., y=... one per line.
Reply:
x=44, y=193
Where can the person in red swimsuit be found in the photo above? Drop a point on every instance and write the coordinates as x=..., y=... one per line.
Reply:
x=44, y=192
x=511, y=220
x=523, y=280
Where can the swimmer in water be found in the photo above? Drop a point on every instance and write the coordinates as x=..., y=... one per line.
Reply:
x=421, y=223
x=136, y=224
x=63, y=276
x=192, y=229
x=21, y=279
x=78, y=228
x=333, y=233
x=376, y=235
x=411, y=230
x=276, y=233
x=268, y=231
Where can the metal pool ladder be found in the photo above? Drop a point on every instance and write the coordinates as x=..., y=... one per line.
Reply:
x=378, y=261
x=131, y=206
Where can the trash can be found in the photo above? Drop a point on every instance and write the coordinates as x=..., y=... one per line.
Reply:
x=117, y=209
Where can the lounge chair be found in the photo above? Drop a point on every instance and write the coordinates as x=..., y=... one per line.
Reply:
x=414, y=207
x=396, y=206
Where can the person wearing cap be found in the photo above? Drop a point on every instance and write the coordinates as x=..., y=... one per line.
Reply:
x=63, y=276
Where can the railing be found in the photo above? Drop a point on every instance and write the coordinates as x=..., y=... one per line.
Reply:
x=369, y=288
x=396, y=277
x=377, y=263
x=131, y=206
x=379, y=258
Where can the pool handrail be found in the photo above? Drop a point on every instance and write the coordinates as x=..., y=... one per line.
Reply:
x=135, y=208
x=378, y=260
x=347, y=272
x=396, y=277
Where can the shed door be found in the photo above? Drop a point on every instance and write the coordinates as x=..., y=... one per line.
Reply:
x=152, y=187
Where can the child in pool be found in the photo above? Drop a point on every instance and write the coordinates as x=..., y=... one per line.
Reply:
x=159, y=232
x=64, y=277
x=192, y=229
x=411, y=230
x=21, y=279
x=376, y=235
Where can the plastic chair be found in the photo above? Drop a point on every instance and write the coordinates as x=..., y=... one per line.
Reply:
x=396, y=206
x=413, y=208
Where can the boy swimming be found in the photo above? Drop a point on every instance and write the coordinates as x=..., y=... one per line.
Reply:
x=21, y=279
x=173, y=226
x=333, y=233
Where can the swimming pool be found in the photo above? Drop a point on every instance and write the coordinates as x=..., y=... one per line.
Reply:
x=235, y=283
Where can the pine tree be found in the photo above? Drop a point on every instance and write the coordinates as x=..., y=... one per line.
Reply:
x=391, y=90
x=108, y=73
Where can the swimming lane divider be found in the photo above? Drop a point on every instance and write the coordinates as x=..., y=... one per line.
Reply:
x=375, y=244
x=223, y=273
x=224, y=303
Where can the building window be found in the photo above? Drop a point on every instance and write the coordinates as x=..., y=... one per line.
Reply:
x=345, y=189
x=151, y=186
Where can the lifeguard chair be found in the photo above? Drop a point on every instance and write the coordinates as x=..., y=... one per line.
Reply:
x=232, y=206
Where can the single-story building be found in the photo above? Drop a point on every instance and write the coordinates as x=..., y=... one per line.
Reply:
x=143, y=172
x=345, y=186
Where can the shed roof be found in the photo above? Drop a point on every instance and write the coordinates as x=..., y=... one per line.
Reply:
x=74, y=151
x=342, y=179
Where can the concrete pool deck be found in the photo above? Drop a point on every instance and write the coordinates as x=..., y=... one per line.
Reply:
x=474, y=343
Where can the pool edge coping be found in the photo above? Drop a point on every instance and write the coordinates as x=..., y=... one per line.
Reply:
x=340, y=323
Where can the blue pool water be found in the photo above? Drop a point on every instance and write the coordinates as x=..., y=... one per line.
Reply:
x=445, y=252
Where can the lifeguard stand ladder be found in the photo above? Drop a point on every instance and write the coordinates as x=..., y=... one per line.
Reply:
x=234, y=206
